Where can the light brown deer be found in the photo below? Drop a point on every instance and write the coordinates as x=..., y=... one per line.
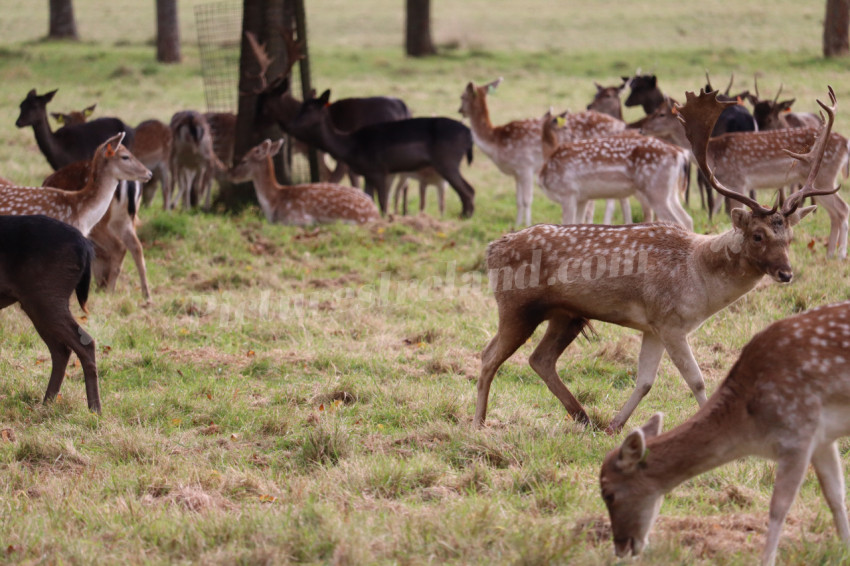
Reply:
x=426, y=177
x=115, y=233
x=300, y=205
x=657, y=278
x=613, y=167
x=749, y=161
x=785, y=399
x=515, y=147
x=192, y=160
x=112, y=162
x=607, y=100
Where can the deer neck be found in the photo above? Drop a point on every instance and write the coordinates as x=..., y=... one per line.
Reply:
x=479, y=120
x=46, y=141
x=93, y=200
x=268, y=190
x=334, y=141
x=718, y=433
x=728, y=274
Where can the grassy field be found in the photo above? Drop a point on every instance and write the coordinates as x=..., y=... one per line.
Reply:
x=306, y=395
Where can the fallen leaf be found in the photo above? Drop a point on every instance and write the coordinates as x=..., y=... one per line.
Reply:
x=7, y=434
x=251, y=353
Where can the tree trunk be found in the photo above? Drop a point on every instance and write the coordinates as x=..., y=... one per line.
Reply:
x=167, y=32
x=62, y=22
x=836, y=29
x=418, y=36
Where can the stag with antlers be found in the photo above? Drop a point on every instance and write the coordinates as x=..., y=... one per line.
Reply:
x=657, y=278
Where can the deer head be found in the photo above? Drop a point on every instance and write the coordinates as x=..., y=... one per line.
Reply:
x=474, y=96
x=33, y=108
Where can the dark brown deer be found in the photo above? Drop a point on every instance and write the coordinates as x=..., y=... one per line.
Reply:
x=657, y=278
x=785, y=399
x=72, y=143
x=776, y=115
x=387, y=148
x=42, y=263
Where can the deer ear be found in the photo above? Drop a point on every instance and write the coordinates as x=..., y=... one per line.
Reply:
x=795, y=217
x=741, y=218
x=652, y=428
x=653, y=81
x=632, y=452
x=326, y=96
x=58, y=117
x=89, y=111
x=31, y=93
x=108, y=152
x=49, y=96
x=275, y=147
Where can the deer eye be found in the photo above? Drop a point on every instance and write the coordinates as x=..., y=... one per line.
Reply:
x=757, y=237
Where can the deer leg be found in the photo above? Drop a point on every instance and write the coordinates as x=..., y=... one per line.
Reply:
x=562, y=330
x=524, y=196
x=441, y=196
x=838, y=212
x=584, y=214
x=608, y=217
x=513, y=332
x=423, y=186
x=626, y=208
x=131, y=240
x=465, y=190
x=109, y=254
x=791, y=467
x=827, y=465
x=651, y=350
x=683, y=358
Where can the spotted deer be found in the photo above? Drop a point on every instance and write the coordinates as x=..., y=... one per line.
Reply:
x=515, y=146
x=748, y=161
x=114, y=233
x=300, y=205
x=660, y=279
x=112, y=162
x=785, y=399
x=612, y=167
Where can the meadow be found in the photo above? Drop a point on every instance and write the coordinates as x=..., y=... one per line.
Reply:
x=306, y=395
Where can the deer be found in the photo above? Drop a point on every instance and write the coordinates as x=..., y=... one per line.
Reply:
x=114, y=233
x=515, y=147
x=759, y=160
x=776, y=115
x=71, y=143
x=785, y=399
x=73, y=117
x=192, y=160
x=300, y=205
x=387, y=148
x=613, y=167
x=427, y=176
x=112, y=162
x=607, y=99
x=43, y=262
x=659, y=279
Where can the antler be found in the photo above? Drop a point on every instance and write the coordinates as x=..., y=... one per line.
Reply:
x=699, y=115
x=262, y=57
x=294, y=54
x=814, y=157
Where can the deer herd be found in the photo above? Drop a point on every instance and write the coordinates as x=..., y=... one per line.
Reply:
x=786, y=396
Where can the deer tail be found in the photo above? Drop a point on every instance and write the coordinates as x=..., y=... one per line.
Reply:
x=469, y=155
x=84, y=283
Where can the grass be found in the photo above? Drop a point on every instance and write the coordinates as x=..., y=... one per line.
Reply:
x=306, y=395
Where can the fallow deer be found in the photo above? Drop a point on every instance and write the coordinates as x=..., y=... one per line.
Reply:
x=427, y=176
x=776, y=115
x=73, y=117
x=300, y=205
x=748, y=161
x=42, y=263
x=607, y=100
x=69, y=144
x=112, y=162
x=115, y=233
x=657, y=278
x=785, y=399
x=192, y=159
x=515, y=147
x=613, y=167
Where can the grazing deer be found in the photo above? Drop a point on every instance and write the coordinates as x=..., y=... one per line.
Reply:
x=69, y=144
x=387, y=148
x=427, y=176
x=42, y=263
x=515, y=147
x=112, y=162
x=73, y=117
x=784, y=399
x=607, y=100
x=300, y=205
x=613, y=167
x=115, y=232
x=192, y=160
x=749, y=161
x=657, y=278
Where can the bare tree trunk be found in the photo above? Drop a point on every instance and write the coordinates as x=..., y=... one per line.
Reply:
x=167, y=32
x=418, y=36
x=836, y=29
x=62, y=22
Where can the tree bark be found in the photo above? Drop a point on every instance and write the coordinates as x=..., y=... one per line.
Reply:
x=62, y=22
x=418, y=34
x=167, y=32
x=836, y=29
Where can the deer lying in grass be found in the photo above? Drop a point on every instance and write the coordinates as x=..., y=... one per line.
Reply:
x=612, y=167
x=42, y=263
x=115, y=233
x=515, y=147
x=69, y=144
x=82, y=209
x=657, y=278
x=785, y=399
x=749, y=161
x=300, y=205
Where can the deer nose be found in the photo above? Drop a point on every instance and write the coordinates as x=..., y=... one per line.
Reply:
x=784, y=276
